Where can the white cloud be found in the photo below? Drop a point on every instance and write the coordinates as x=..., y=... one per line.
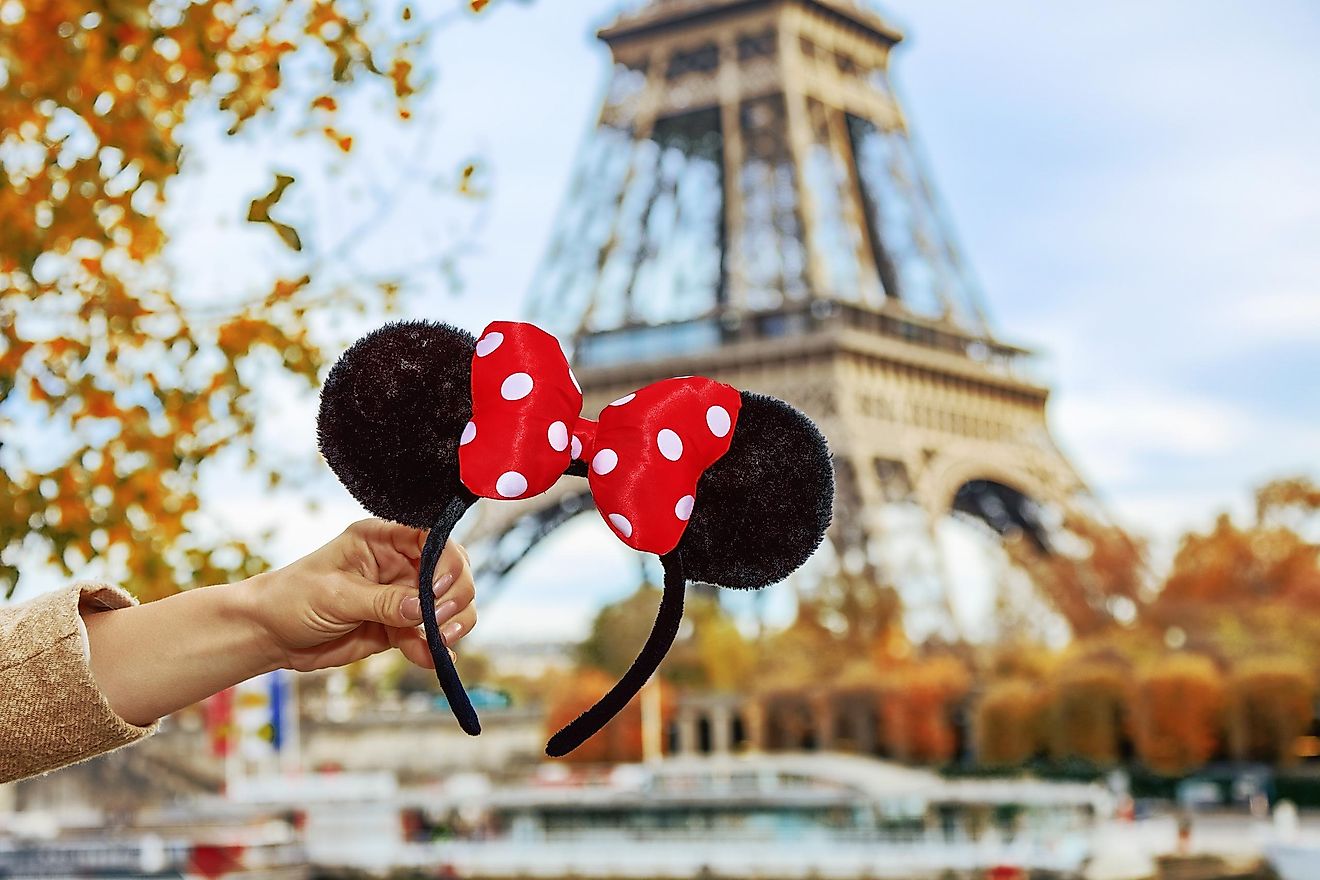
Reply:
x=1289, y=316
x=1114, y=430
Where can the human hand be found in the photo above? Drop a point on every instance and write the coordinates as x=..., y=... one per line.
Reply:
x=357, y=596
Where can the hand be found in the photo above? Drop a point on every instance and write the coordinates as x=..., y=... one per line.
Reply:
x=357, y=596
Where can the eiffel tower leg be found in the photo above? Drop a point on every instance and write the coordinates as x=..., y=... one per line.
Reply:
x=735, y=281
x=860, y=500
x=799, y=143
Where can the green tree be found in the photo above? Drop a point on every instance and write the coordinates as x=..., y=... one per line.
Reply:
x=709, y=654
x=618, y=632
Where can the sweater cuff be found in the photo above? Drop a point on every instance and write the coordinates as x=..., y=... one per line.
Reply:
x=52, y=711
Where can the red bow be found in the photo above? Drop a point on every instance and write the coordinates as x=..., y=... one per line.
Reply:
x=644, y=455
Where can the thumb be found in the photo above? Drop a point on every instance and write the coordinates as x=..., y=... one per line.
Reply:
x=392, y=605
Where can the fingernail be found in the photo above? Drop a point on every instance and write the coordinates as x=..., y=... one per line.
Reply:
x=451, y=630
x=446, y=610
x=442, y=583
x=453, y=656
x=411, y=608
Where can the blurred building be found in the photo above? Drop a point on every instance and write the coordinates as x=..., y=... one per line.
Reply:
x=751, y=207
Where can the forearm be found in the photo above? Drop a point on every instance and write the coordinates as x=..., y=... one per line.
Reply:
x=52, y=712
x=352, y=598
x=153, y=659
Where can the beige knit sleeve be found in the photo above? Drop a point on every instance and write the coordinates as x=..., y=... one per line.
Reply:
x=51, y=711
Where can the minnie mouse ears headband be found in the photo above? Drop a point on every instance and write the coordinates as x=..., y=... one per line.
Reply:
x=420, y=419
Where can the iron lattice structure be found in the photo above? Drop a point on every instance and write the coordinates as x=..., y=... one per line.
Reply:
x=751, y=207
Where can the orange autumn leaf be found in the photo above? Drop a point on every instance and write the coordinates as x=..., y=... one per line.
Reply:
x=113, y=343
x=400, y=71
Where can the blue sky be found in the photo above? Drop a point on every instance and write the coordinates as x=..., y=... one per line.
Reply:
x=1136, y=186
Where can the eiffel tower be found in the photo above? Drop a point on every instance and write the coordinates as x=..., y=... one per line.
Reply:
x=750, y=207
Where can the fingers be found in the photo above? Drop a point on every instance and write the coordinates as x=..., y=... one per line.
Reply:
x=404, y=540
x=356, y=599
x=455, y=614
x=391, y=597
x=456, y=622
x=412, y=644
x=456, y=611
x=393, y=550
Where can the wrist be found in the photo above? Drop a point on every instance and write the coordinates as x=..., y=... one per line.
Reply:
x=248, y=603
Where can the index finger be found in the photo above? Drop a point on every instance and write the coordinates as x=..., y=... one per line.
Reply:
x=396, y=548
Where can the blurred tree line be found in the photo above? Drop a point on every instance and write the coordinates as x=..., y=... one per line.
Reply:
x=115, y=391
x=1217, y=659
x=1222, y=661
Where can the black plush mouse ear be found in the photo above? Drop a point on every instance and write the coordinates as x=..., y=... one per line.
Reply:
x=763, y=508
x=392, y=411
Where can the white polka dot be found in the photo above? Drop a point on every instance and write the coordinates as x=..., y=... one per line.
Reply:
x=577, y=447
x=671, y=445
x=489, y=343
x=622, y=400
x=575, y=381
x=511, y=484
x=516, y=387
x=469, y=434
x=605, y=461
x=558, y=436
x=620, y=522
x=717, y=419
x=683, y=509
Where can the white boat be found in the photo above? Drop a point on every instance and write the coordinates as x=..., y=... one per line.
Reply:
x=779, y=815
x=775, y=815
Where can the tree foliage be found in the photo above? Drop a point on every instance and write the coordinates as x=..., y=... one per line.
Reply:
x=618, y=741
x=1179, y=710
x=618, y=631
x=1232, y=565
x=1009, y=722
x=1270, y=703
x=1215, y=661
x=114, y=390
x=1096, y=570
x=1088, y=712
x=1295, y=499
x=710, y=652
x=917, y=708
